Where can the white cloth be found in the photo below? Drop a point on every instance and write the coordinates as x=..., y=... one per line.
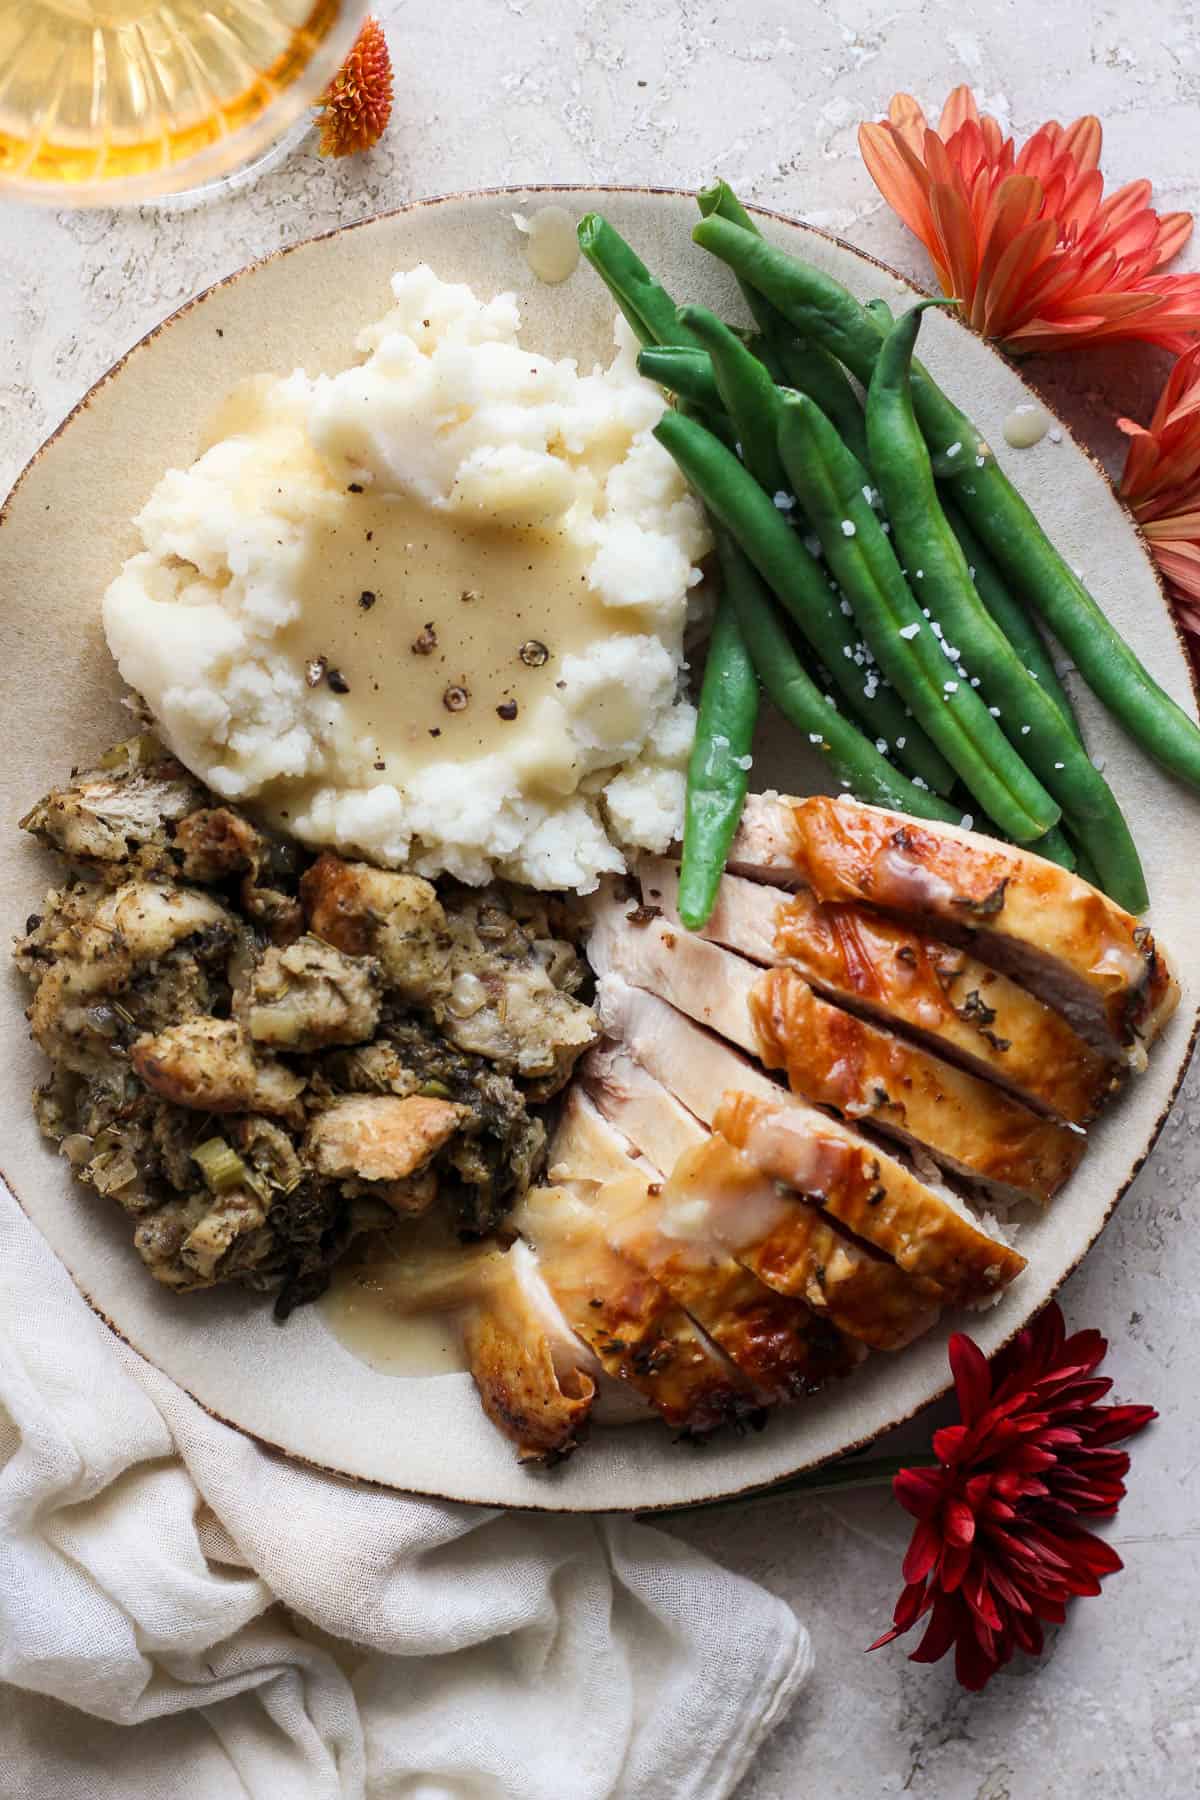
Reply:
x=280, y=1634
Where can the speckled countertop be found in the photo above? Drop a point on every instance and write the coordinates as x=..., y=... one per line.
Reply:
x=493, y=92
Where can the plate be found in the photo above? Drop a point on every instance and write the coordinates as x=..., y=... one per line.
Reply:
x=64, y=533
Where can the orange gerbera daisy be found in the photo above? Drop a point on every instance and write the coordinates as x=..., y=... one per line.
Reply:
x=1161, y=482
x=1026, y=242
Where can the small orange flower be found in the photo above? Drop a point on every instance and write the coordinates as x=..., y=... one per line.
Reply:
x=1026, y=242
x=1161, y=482
x=357, y=104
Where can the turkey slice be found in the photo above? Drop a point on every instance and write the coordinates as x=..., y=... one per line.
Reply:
x=926, y=1229
x=716, y=1196
x=775, y=1341
x=947, y=998
x=1047, y=928
x=836, y=1059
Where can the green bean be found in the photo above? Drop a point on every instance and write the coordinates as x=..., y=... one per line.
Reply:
x=856, y=765
x=799, y=362
x=1026, y=714
x=686, y=372
x=717, y=775
x=648, y=308
x=812, y=371
x=755, y=341
x=826, y=480
x=820, y=307
x=736, y=501
x=747, y=393
x=1012, y=618
x=1056, y=848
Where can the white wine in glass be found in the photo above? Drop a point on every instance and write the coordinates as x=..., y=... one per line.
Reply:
x=110, y=100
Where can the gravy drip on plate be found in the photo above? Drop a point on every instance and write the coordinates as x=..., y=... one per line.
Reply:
x=1026, y=425
x=371, y=1308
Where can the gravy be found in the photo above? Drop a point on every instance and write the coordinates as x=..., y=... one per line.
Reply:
x=366, y=1309
x=445, y=634
x=427, y=635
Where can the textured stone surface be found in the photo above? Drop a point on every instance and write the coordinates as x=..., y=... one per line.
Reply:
x=493, y=92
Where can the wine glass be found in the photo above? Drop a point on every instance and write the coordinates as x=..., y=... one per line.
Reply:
x=111, y=101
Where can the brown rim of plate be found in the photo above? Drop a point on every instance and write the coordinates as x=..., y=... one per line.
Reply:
x=725, y=1496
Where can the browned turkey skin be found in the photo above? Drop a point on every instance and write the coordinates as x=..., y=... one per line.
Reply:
x=260, y=1055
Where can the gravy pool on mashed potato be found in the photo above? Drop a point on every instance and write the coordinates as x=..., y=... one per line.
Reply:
x=429, y=609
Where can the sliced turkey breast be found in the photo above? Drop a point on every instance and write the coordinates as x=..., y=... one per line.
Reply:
x=967, y=1125
x=716, y=1196
x=836, y=1059
x=777, y=1342
x=636, y=1331
x=708, y=983
x=935, y=991
x=922, y=1231
x=646, y=1114
x=921, y=1225
x=586, y=1151
x=536, y=1381
x=1027, y=917
x=781, y=1345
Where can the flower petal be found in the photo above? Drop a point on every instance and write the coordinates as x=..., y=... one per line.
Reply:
x=923, y=1551
x=958, y=1523
x=974, y=1666
x=959, y=108
x=1174, y=230
x=972, y=1377
x=1086, y=275
x=900, y=178
x=905, y=114
x=919, y=1491
x=949, y=1442
x=1121, y=1422
x=940, y=1633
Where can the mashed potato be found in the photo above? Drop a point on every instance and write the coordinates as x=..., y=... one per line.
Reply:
x=429, y=609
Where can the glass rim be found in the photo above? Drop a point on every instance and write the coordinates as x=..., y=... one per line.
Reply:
x=219, y=162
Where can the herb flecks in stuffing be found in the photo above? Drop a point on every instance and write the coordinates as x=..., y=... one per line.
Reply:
x=261, y=1055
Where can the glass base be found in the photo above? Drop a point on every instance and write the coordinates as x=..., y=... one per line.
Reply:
x=222, y=187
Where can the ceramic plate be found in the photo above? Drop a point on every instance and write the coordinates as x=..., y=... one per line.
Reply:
x=65, y=532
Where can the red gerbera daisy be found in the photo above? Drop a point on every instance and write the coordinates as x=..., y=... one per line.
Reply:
x=1000, y=1545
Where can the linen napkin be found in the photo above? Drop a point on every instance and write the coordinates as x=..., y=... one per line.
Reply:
x=187, y=1616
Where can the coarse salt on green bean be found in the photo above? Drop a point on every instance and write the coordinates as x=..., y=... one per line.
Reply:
x=1012, y=618
x=1024, y=712
x=825, y=477
x=856, y=766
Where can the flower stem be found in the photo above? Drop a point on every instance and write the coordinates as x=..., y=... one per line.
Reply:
x=835, y=1479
